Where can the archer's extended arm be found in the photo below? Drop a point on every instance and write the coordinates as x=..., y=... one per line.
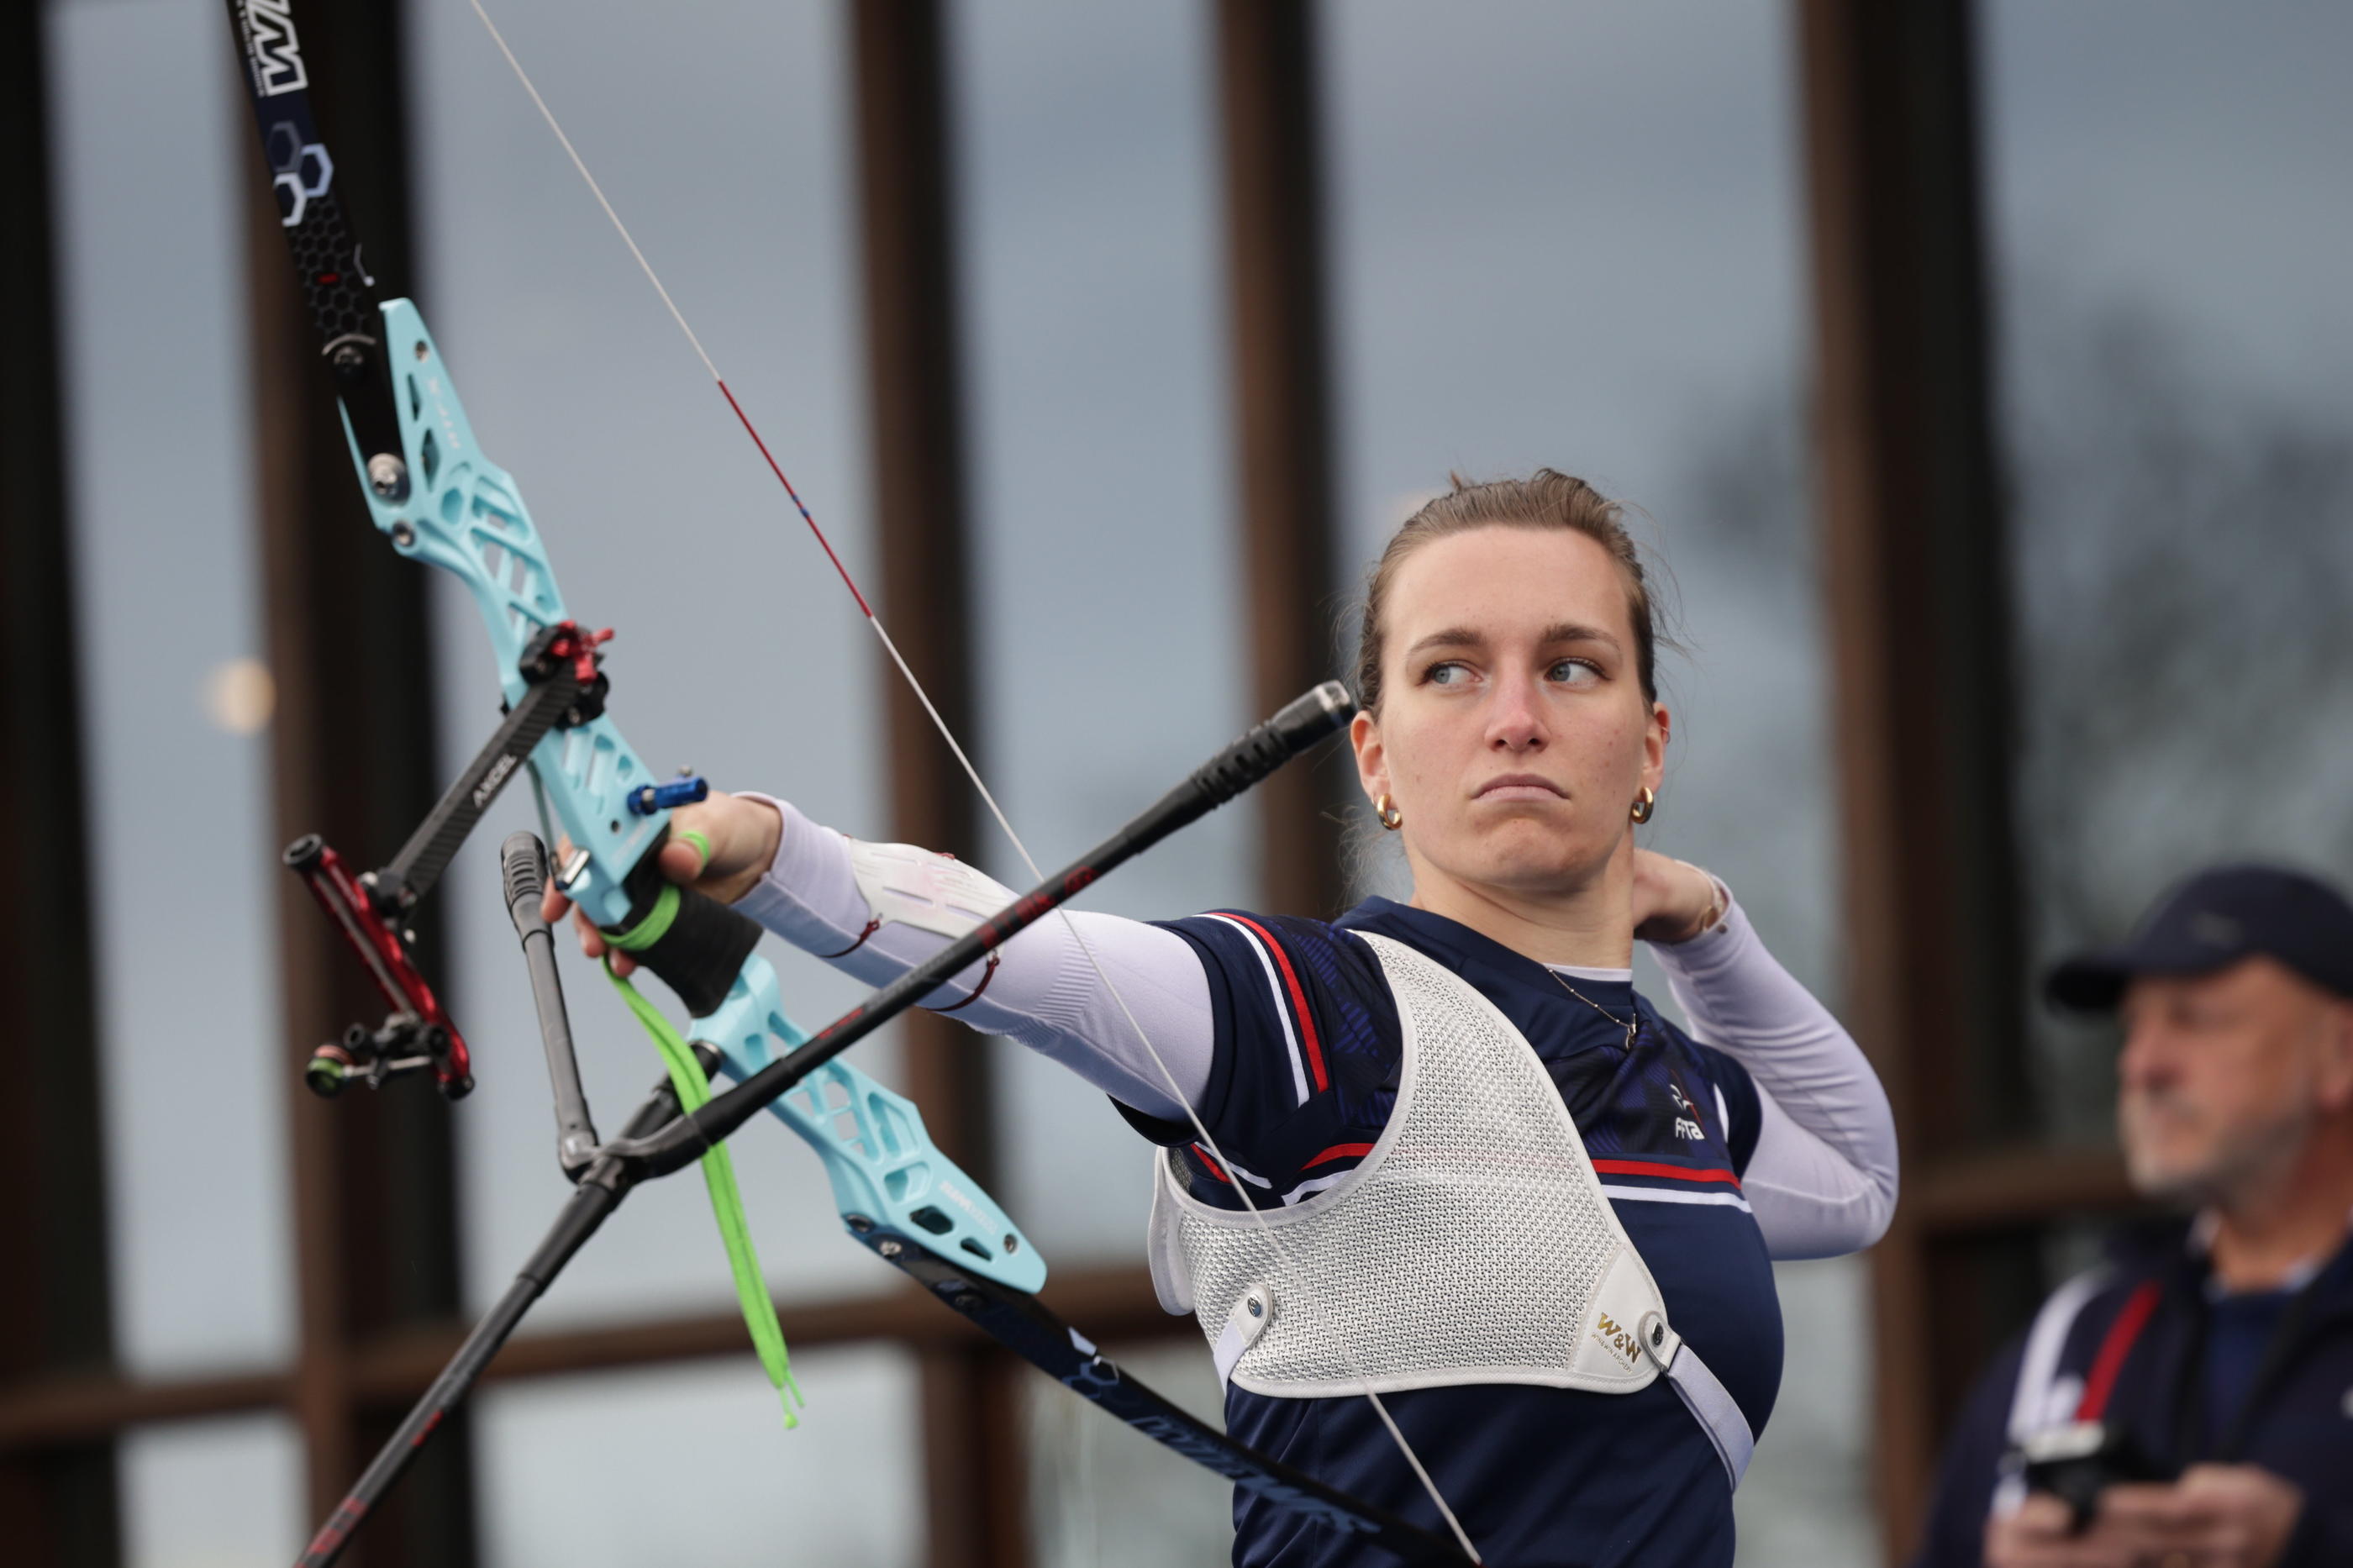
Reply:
x=876, y=910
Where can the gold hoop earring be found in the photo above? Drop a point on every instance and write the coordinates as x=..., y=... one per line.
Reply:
x=1386, y=809
x=1645, y=804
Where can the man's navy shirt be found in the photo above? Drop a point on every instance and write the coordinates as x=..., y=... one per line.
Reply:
x=1308, y=1052
x=2296, y=1423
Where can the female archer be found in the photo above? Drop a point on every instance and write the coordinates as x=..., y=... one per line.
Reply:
x=1441, y=1151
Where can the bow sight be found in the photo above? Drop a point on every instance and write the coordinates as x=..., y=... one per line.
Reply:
x=416, y=1033
x=564, y=687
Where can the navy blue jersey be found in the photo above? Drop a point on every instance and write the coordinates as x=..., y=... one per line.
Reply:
x=1305, y=1074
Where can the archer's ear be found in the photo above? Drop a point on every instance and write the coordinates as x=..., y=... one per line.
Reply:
x=1372, y=759
x=1654, y=744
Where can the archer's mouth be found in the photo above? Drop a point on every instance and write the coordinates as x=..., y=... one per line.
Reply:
x=1520, y=786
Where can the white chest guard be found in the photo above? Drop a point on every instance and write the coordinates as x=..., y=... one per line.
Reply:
x=1472, y=1245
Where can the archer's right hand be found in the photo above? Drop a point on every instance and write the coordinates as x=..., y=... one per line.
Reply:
x=743, y=834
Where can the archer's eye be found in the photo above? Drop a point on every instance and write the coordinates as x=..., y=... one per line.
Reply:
x=1574, y=672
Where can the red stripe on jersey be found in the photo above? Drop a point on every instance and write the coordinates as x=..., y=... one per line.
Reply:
x=1672, y=1172
x=2102, y=1379
x=1337, y=1152
x=1211, y=1165
x=1298, y=1004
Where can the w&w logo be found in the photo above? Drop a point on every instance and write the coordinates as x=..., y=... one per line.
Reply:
x=271, y=48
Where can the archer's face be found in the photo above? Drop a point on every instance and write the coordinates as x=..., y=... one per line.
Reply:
x=2224, y=1077
x=1512, y=732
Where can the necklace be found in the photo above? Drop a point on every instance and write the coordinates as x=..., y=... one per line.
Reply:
x=1629, y=1023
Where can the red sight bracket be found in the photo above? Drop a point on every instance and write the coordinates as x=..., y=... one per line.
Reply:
x=415, y=1033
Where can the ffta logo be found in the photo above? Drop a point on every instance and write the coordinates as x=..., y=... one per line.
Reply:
x=1687, y=1115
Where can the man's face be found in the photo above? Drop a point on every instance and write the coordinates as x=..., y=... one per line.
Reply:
x=2222, y=1077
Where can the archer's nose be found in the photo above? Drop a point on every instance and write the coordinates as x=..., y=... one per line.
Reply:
x=1516, y=725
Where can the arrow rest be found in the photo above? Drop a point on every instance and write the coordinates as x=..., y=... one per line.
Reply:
x=565, y=646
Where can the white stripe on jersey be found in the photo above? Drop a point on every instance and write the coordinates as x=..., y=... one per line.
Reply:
x=1252, y=1177
x=1670, y=1196
x=1282, y=1004
x=1317, y=1185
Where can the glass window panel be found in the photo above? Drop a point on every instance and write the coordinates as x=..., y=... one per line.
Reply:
x=1101, y=1491
x=1109, y=626
x=176, y=701
x=690, y=1464
x=719, y=136
x=1583, y=247
x=2175, y=383
x=209, y=1493
x=1593, y=262
x=1807, y=1495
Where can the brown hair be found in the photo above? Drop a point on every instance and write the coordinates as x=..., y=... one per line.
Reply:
x=1545, y=500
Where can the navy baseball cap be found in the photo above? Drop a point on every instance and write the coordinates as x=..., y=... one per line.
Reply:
x=2211, y=921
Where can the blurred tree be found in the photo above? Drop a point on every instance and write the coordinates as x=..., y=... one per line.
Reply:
x=2182, y=539
x=2184, y=563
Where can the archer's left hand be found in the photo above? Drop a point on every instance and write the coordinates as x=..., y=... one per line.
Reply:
x=742, y=835
x=1675, y=900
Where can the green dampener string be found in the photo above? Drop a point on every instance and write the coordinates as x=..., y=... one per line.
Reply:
x=693, y=1088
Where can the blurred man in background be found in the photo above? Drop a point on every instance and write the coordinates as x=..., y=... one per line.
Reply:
x=2191, y=1405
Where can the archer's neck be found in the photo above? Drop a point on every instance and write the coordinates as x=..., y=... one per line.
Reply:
x=2300, y=1216
x=1590, y=927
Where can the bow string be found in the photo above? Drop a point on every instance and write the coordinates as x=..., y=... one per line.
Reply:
x=964, y=760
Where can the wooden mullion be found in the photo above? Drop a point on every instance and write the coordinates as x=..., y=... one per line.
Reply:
x=1277, y=284
x=975, y=1466
x=1916, y=583
x=55, y=1311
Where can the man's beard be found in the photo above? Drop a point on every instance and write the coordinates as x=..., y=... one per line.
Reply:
x=2238, y=1163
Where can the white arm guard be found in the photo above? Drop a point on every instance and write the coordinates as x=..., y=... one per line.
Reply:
x=876, y=910
x=906, y=885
